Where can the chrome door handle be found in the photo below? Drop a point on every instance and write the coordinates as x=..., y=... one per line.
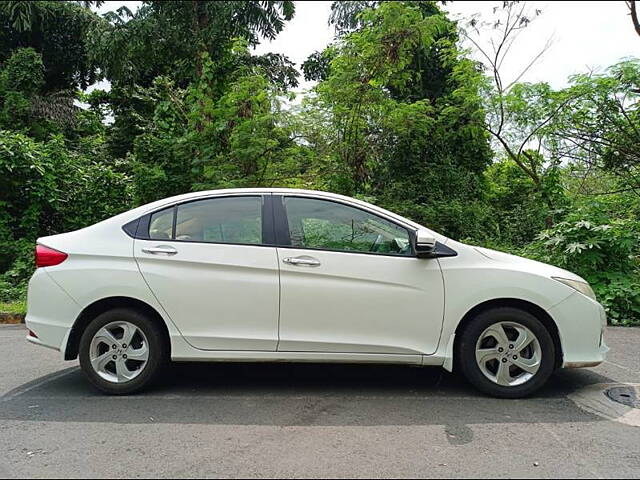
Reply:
x=160, y=249
x=303, y=261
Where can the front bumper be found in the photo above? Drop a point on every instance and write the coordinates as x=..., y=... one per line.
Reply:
x=581, y=324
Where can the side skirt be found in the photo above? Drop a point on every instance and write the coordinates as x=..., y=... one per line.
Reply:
x=314, y=357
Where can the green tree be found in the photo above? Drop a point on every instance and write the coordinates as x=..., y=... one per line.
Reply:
x=198, y=140
x=518, y=114
x=26, y=106
x=601, y=130
x=21, y=79
x=57, y=31
x=402, y=110
x=518, y=210
x=170, y=39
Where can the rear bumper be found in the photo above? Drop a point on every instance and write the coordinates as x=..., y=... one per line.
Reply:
x=50, y=312
x=37, y=341
x=581, y=324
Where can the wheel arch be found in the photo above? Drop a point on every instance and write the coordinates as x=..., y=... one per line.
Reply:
x=535, y=310
x=103, y=305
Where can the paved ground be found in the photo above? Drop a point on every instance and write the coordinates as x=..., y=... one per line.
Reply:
x=305, y=421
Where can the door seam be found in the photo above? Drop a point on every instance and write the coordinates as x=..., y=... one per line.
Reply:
x=279, y=297
x=135, y=258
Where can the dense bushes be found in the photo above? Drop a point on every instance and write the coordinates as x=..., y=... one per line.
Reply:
x=603, y=250
x=45, y=188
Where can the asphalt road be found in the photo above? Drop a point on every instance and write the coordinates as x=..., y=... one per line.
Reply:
x=285, y=420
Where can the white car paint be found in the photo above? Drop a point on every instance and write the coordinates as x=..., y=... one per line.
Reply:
x=360, y=303
x=478, y=275
x=222, y=297
x=231, y=302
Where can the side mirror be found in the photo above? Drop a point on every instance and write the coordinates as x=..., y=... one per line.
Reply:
x=425, y=244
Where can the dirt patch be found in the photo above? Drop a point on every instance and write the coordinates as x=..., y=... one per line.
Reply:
x=11, y=318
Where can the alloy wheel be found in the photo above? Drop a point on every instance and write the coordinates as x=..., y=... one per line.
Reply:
x=508, y=354
x=119, y=352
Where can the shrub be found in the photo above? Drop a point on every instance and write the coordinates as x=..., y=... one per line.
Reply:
x=602, y=250
x=45, y=188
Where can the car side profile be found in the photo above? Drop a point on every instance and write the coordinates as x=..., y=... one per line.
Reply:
x=302, y=276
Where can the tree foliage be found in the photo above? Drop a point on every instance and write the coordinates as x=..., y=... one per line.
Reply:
x=402, y=112
x=169, y=37
x=604, y=250
x=601, y=129
x=56, y=30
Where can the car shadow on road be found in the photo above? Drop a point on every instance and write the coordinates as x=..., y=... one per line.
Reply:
x=295, y=394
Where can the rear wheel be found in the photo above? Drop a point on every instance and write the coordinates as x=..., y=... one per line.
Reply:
x=121, y=351
x=506, y=352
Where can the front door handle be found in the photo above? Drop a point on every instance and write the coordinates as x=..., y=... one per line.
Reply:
x=302, y=261
x=160, y=249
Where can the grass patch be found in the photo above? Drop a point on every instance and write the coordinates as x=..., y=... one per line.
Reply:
x=15, y=308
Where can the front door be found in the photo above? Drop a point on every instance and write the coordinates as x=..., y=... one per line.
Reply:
x=206, y=262
x=350, y=283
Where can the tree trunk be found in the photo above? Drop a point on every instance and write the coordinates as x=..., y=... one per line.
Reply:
x=634, y=15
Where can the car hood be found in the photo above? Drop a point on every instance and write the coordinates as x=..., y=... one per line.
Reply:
x=532, y=266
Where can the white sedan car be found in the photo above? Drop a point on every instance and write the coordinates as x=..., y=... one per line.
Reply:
x=302, y=276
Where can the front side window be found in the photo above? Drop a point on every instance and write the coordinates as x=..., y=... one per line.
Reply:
x=221, y=220
x=326, y=225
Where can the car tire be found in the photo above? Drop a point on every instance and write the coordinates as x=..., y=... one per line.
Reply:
x=502, y=376
x=121, y=369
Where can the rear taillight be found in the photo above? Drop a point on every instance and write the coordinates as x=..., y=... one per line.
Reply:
x=48, y=257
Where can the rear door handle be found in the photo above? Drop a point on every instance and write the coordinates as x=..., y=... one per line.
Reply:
x=160, y=250
x=302, y=261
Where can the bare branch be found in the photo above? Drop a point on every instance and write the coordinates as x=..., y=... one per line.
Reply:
x=551, y=116
x=634, y=15
x=532, y=62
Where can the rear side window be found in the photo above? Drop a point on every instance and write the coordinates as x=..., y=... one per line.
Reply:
x=161, y=225
x=220, y=220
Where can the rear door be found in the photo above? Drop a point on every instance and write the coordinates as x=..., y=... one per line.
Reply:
x=350, y=282
x=209, y=264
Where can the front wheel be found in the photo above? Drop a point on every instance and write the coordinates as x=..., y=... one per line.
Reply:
x=506, y=352
x=121, y=351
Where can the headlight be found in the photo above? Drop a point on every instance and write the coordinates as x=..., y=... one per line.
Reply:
x=582, y=287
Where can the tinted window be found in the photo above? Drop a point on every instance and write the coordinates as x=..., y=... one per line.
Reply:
x=329, y=225
x=161, y=225
x=221, y=220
